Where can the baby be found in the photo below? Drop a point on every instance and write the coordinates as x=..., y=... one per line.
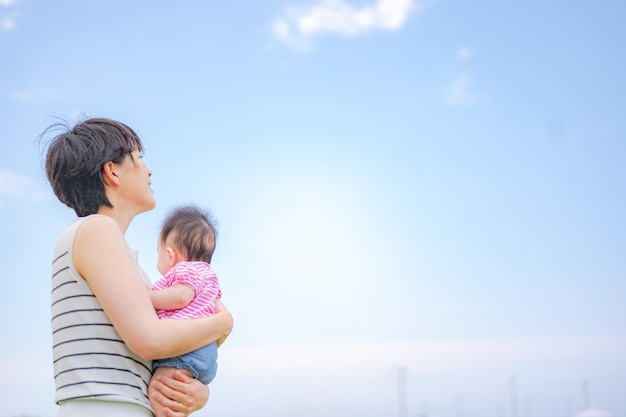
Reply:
x=189, y=287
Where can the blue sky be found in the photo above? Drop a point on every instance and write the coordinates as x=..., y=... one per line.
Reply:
x=436, y=185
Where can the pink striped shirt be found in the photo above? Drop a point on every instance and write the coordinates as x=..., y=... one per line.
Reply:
x=201, y=278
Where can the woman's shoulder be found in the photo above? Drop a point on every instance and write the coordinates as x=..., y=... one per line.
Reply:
x=97, y=223
x=98, y=244
x=79, y=225
x=98, y=229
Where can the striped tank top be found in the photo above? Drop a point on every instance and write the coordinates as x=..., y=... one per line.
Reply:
x=90, y=359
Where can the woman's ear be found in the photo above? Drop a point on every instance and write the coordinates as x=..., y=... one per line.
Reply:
x=109, y=175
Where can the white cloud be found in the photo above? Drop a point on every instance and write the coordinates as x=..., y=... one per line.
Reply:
x=15, y=187
x=298, y=25
x=459, y=92
x=8, y=20
x=464, y=53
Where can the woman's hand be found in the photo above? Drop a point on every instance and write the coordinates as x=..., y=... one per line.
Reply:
x=179, y=396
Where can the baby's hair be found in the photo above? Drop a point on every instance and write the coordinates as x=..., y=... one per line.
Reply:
x=193, y=232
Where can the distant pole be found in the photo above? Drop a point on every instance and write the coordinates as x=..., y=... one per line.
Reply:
x=459, y=405
x=528, y=410
x=569, y=410
x=513, y=395
x=586, y=397
x=402, y=407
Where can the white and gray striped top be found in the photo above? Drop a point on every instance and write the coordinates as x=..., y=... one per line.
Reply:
x=90, y=359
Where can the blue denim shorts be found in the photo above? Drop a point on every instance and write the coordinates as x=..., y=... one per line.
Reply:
x=202, y=363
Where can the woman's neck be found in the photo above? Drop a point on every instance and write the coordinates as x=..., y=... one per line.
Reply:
x=123, y=219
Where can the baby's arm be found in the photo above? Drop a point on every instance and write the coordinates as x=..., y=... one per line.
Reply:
x=172, y=298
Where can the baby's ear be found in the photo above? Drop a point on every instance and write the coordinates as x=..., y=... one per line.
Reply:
x=172, y=256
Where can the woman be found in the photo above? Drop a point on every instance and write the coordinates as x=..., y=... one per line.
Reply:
x=105, y=330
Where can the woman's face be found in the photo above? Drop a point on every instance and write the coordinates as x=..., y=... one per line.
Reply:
x=137, y=182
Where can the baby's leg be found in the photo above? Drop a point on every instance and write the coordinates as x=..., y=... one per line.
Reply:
x=168, y=372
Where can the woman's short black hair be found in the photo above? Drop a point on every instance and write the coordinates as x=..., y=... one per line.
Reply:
x=75, y=158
